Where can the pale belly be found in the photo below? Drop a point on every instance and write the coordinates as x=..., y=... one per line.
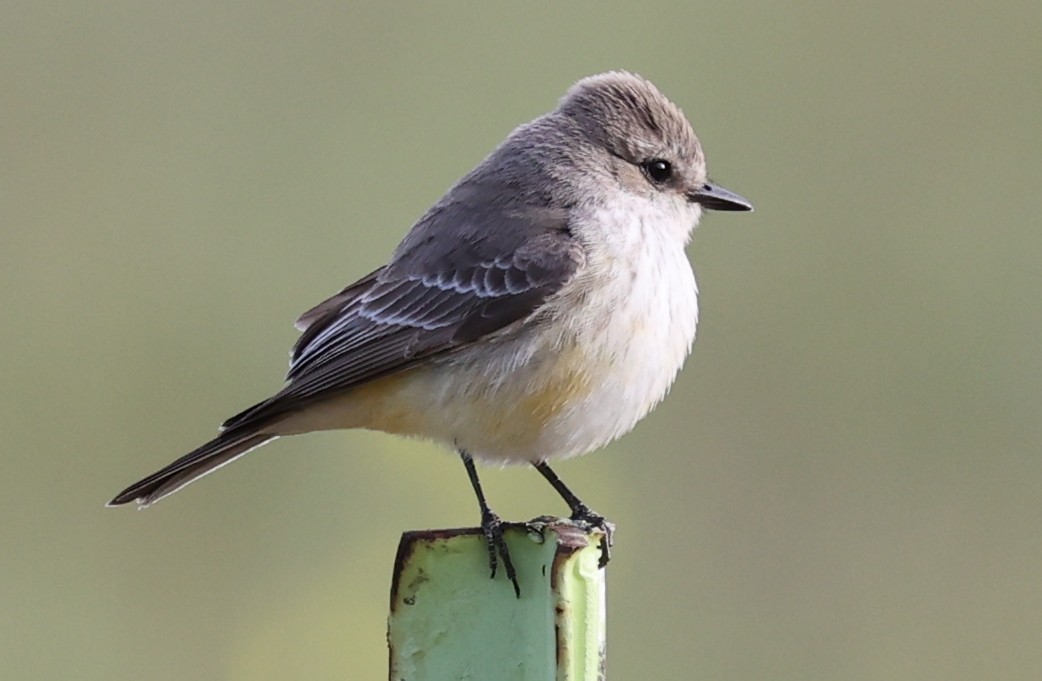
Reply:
x=556, y=390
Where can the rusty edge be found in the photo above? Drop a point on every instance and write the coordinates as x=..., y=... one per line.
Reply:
x=571, y=540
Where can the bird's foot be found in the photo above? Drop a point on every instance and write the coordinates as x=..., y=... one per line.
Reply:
x=591, y=520
x=492, y=527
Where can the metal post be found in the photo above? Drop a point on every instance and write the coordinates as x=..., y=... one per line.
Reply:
x=450, y=622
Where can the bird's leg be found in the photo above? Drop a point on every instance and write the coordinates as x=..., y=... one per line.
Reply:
x=581, y=513
x=492, y=526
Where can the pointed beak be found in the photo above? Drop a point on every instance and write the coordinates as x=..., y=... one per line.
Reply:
x=715, y=197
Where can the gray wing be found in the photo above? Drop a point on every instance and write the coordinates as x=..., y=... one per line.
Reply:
x=450, y=283
x=336, y=302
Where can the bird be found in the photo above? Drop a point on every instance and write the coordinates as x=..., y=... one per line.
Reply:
x=536, y=312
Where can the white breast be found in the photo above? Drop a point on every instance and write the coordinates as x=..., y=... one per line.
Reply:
x=637, y=330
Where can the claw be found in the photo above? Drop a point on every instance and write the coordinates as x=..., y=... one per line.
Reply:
x=492, y=528
x=591, y=520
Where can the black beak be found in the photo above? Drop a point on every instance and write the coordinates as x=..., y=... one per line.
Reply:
x=715, y=197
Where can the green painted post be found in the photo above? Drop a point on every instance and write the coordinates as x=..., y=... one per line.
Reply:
x=449, y=621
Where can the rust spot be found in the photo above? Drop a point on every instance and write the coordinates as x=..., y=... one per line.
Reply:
x=559, y=646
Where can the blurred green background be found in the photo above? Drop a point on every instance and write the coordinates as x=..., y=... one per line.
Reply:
x=846, y=482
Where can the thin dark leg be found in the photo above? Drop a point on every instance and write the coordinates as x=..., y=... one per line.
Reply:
x=492, y=526
x=581, y=513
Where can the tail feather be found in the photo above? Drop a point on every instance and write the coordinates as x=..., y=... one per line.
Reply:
x=220, y=451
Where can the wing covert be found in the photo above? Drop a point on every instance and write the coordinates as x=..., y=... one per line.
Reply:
x=418, y=307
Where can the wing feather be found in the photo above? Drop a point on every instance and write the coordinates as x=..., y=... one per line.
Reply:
x=424, y=304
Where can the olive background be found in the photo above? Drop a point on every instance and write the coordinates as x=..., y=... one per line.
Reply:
x=845, y=482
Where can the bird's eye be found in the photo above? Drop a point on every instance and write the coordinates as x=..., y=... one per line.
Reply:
x=658, y=170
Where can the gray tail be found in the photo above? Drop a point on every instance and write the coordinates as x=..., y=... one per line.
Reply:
x=222, y=450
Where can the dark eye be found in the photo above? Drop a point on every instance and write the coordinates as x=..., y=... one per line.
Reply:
x=658, y=170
